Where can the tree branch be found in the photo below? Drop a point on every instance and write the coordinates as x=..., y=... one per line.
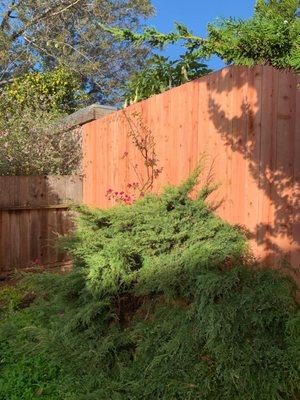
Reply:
x=5, y=81
x=66, y=8
x=50, y=12
x=8, y=13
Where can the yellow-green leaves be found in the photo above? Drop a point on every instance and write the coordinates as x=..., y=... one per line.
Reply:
x=53, y=91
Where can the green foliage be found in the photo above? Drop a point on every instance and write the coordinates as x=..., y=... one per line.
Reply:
x=270, y=37
x=163, y=74
x=37, y=143
x=160, y=305
x=41, y=35
x=32, y=138
x=10, y=298
x=35, y=375
x=151, y=36
x=57, y=91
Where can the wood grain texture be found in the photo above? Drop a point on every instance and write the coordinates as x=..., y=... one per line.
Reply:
x=247, y=123
x=33, y=213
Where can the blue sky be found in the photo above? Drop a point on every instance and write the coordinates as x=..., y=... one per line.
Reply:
x=196, y=14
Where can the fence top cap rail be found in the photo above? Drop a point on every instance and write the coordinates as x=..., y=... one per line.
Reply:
x=87, y=114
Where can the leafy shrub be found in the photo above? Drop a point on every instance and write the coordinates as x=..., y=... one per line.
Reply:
x=35, y=143
x=271, y=36
x=161, y=304
x=34, y=375
x=54, y=91
x=32, y=141
x=162, y=74
x=10, y=298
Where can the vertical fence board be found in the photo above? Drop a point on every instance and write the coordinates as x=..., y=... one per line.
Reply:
x=246, y=120
x=33, y=212
x=295, y=254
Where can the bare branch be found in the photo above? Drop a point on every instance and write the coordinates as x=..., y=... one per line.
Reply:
x=66, y=8
x=50, y=12
x=8, y=14
x=5, y=81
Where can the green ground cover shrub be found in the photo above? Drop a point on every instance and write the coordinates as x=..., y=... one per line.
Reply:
x=162, y=304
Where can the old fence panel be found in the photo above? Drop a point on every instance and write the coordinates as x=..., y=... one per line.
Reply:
x=33, y=212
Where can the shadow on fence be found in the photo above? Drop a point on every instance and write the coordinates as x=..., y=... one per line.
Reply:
x=33, y=213
x=268, y=146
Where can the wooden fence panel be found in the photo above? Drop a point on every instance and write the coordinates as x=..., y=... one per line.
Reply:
x=246, y=121
x=33, y=212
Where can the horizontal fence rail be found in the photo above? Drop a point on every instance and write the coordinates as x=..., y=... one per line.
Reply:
x=34, y=211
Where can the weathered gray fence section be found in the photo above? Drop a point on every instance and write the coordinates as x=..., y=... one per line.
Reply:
x=34, y=210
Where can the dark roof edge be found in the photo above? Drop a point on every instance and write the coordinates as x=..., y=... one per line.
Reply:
x=87, y=114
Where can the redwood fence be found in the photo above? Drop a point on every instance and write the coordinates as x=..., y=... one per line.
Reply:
x=33, y=212
x=246, y=121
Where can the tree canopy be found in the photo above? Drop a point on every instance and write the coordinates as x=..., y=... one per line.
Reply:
x=41, y=35
x=270, y=37
x=161, y=74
